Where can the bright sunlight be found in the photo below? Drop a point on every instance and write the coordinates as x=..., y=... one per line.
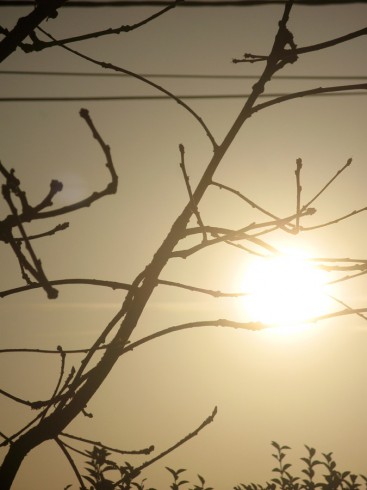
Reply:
x=285, y=290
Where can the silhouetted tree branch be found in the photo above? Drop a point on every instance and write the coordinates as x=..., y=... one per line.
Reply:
x=73, y=389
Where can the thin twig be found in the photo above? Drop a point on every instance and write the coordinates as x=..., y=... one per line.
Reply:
x=348, y=307
x=111, y=66
x=60, y=227
x=147, y=450
x=46, y=351
x=6, y=439
x=334, y=221
x=252, y=58
x=40, y=45
x=21, y=431
x=327, y=184
x=336, y=314
x=61, y=375
x=195, y=209
x=347, y=277
x=106, y=331
x=305, y=93
x=233, y=235
x=210, y=292
x=16, y=398
x=59, y=282
x=36, y=269
x=298, y=190
x=71, y=462
x=252, y=326
x=332, y=42
x=250, y=202
x=193, y=434
x=110, y=188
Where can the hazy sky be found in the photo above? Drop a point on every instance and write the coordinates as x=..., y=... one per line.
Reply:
x=306, y=387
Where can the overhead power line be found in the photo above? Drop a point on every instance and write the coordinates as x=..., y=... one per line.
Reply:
x=177, y=75
x=186, y=3
x=107, y=98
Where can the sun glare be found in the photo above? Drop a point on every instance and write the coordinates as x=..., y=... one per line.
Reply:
x=285, y=290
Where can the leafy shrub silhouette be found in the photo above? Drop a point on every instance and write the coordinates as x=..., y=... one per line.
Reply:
x=333, y=479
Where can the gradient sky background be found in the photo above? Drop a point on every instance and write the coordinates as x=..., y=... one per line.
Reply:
x=303, y=388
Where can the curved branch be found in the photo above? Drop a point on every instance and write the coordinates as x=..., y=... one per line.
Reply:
x=61, y=375
x=336, y=314
x=110, y=66
x=16, y=398
x=305, y=93
x=47, y=351
x=333, y=222
x=222, y=322
x=40, y=45
x=71, y=462
x=111, y=187
x=233, y=235
x=59, y=282
x=9, y=440
x=210, y=292
x=147, y=450
x=248, y=201
x=60, y=227
x=332, y=42
x=318, y=194
x=193, y=434
x=290, y=53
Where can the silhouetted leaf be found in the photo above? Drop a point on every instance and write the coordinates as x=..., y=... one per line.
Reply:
x=276, y=480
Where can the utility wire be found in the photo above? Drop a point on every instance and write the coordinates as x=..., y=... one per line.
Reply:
x=177, y=75
x=160, y=97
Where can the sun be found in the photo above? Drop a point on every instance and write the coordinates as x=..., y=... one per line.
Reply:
x=285, y=290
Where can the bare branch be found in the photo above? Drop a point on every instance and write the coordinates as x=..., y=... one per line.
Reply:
x=110, y=66
x=210, y=292
x=71, y=462
x=232, y=235
x=58, y=384
x=336, y=314
x=16, y=398
x=193, y=434
x=102, y=337
x=252, y=326
x=59, y=282
x=36, y=268
x=111, y=187
x=11, y=439
x=39, y=45
x=147, y=450
x=306, y=93
x=348, y=277
x=327, y=184
x=26, y=25
x=290, y=53
x=188, y=187
x=46, y=351
x=251, y=203
x=348, y=307
x=333, y=222
x=57, y=228
x=332, y=42
x=299, y=190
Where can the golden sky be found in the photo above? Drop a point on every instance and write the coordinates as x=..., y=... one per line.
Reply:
x=300, y=387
